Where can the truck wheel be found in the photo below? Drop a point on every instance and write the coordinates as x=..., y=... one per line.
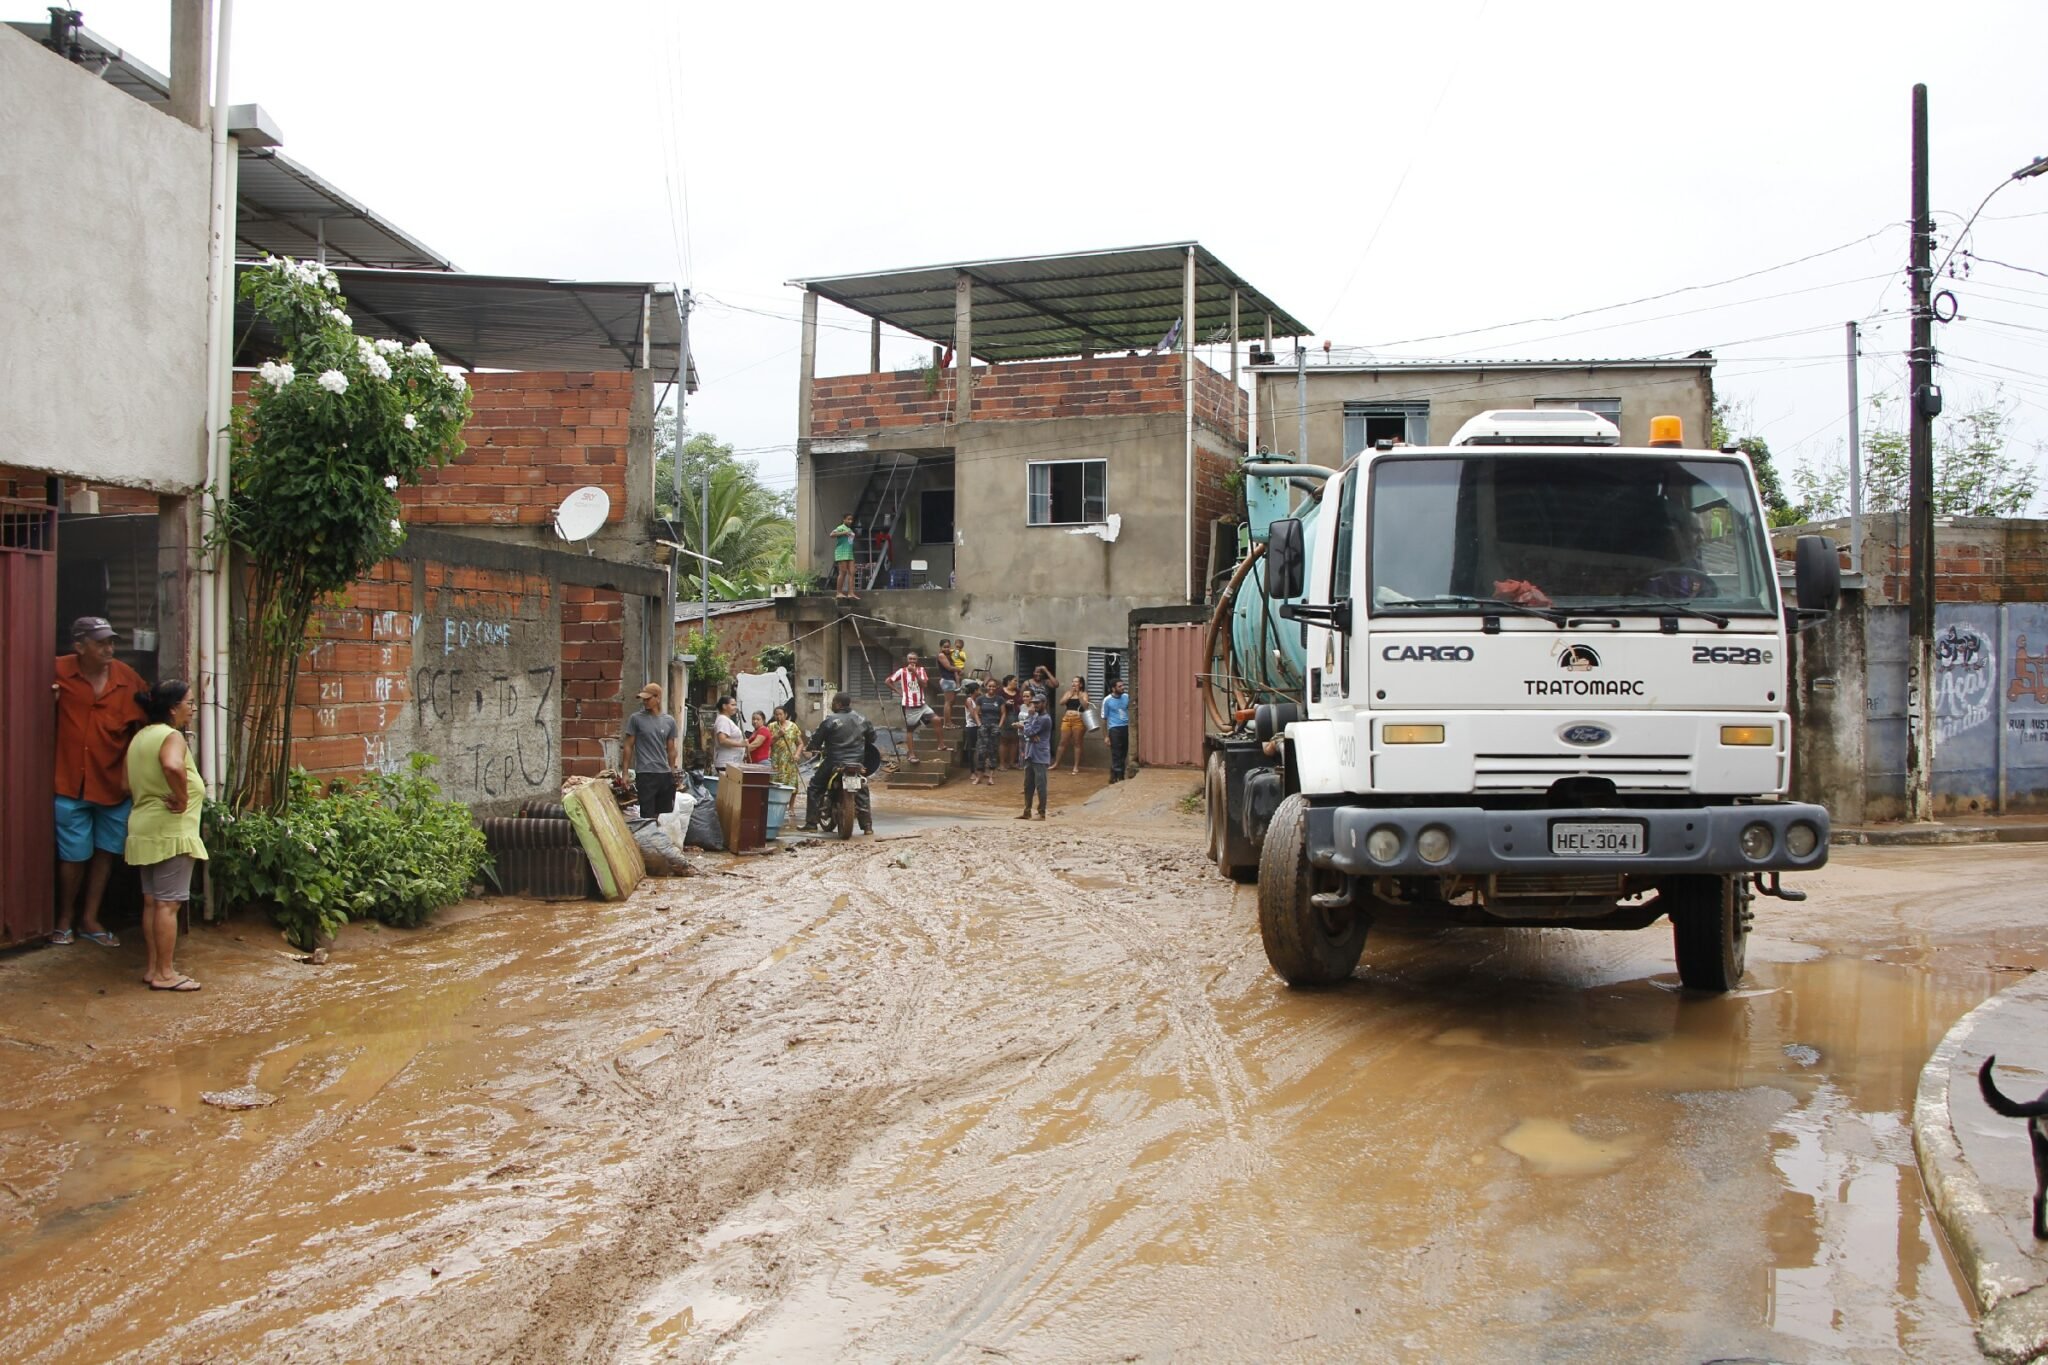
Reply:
x=1709, y=931
x=1216, y=809
x=1306, y=946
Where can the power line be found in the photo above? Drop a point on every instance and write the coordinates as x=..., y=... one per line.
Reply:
x=1647, y=298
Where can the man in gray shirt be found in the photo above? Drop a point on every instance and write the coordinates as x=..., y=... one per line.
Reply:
x=651, y=750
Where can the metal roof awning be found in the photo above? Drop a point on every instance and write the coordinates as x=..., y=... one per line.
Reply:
x=283, y=209
x=506, y=322
x=106, y=60
x=1036, y=307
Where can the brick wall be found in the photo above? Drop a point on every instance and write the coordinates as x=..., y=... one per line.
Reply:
x=530, y=439
x=1976, y=559
x=511, y=680
x=742, y=635
x=1107, y=386
x=1213, y=500
x=593, y=645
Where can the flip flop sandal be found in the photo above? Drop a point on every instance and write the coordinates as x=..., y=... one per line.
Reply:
x=60, y=936
x=101, y=937
x=183, y=983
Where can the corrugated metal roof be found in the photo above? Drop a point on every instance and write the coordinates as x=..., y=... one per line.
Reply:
x=106, y=61
x=504, y=322
x=284, y=209
x=1033, y=307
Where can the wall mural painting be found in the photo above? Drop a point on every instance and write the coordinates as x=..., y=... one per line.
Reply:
x=1964, y=680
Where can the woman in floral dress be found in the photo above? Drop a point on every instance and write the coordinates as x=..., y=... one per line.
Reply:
x=788, y=743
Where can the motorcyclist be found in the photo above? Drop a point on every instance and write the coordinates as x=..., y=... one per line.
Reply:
x=841, y=740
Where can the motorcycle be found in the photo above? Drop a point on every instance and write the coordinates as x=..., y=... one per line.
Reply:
x=842, y=800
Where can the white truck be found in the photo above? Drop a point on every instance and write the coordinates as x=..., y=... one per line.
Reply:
x=1539, y=679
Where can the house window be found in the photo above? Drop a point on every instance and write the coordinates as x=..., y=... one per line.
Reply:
x=1032, y=653
x=1610, y=408
x=1105, y=666
x=935, y=516
x=1367, y=424
x=1067, y=492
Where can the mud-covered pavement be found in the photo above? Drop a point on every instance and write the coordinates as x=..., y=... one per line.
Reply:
x=1006, y=1091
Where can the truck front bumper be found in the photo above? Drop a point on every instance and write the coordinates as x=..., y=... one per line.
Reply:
x=1699, y=839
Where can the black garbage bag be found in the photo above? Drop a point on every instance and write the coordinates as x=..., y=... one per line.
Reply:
x=704, y=831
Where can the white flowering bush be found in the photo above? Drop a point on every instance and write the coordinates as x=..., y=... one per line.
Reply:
x=333, y=427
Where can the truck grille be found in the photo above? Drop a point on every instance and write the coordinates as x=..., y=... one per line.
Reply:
x=1536, y=772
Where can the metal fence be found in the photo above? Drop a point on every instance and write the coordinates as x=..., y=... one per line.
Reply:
x=1990, y=705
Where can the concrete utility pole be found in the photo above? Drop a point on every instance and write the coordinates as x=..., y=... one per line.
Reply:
x=1925, y=404
x=1855, y=458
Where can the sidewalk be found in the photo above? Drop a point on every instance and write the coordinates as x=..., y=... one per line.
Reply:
x=1978, y=1167
x=1972, y=829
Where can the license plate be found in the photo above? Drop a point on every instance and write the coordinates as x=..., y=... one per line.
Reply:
x=853, y=784
x=1585, y=839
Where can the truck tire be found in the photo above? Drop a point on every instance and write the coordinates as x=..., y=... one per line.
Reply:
x=1306, y=946
x=1216, y=809
x=1709, y=931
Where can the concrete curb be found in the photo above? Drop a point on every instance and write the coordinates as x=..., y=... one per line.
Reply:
x=1911, y=836
x=2007, y=1275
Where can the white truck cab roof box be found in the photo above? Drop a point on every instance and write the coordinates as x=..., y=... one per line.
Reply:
x=1538, y=427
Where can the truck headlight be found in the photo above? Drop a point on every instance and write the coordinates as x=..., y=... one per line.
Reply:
x=1434, y=844
x=1756, y=841
x=1383, y=845
x=1801, y=839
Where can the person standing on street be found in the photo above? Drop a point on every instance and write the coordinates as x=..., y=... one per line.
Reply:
x=988, y=700
x=96, y=714
x=1034, y=735
x=651, y=748
x=163, y=833
x=909, y=682
x=1073, y=723
x=841, y=741
x=1013, y=697
x=789, y=744
x=842, y=559
x=728, y=740
x=1116, y=719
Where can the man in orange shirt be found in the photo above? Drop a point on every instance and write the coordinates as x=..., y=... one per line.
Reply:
x=96, y=714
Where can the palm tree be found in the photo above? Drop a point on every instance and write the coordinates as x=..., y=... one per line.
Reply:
x=750, y=536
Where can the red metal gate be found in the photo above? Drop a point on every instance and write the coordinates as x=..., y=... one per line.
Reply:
x=28, y=736
x=1169, y=710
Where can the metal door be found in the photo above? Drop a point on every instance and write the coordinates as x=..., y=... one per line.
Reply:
x=28, y=738
x=1168, y=713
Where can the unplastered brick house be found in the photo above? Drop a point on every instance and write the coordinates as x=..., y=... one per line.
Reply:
x=1063, y=460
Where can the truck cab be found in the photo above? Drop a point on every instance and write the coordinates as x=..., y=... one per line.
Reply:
x=1545, y=684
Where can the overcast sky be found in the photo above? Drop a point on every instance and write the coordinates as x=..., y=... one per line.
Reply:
x=1385, y=172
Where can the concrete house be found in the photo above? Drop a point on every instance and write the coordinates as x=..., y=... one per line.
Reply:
x=1061, y=463
x=1353, y=404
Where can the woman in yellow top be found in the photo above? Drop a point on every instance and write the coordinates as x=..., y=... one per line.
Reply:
x=163, y=829
x=789, y=743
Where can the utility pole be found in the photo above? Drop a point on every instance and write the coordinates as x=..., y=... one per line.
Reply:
x=1924, y=406
x=1855, y=457
x=676, y=472
x=1301, y=400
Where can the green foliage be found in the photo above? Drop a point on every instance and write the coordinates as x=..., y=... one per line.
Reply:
x=712, y=666
x=776, y=656
x=1974, y=474
x=385, y=847
x=752, y=527
x=332, y=428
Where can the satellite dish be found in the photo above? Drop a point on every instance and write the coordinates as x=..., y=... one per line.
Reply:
x=582, y=513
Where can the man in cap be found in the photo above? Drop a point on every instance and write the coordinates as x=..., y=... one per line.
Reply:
x=96, y=714
x=651, y=750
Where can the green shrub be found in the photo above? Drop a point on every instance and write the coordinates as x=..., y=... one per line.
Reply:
x=384, y=847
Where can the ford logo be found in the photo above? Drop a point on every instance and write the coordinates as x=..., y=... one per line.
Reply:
x=1585, y=735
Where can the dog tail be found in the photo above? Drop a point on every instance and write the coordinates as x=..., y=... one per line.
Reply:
x=1999, y=1103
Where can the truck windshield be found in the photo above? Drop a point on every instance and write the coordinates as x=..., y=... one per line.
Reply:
x=1618, y=534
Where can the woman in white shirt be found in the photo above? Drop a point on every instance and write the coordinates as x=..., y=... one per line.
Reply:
x=728, y=740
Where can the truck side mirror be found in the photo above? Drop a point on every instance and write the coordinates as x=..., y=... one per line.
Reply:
x=1286, y=560
x=1816, y=574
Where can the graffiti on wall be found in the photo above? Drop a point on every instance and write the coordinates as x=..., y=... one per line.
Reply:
x=486, y=697
x=1964, y=680
x=2029, y=674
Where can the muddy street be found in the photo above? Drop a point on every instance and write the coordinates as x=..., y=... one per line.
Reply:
x=999, y=1090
